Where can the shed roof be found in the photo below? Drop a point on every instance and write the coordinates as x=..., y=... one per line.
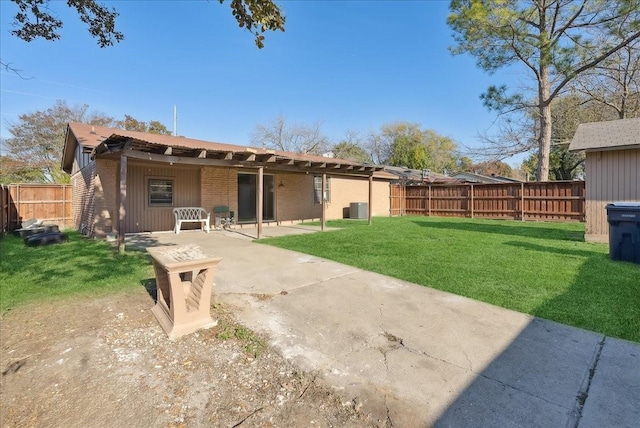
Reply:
x=98, y=140
x=609, y=135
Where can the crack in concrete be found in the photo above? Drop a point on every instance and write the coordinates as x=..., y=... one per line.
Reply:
x=389, y=422
x=583, y=394
x=266, y=296
x=468, y=360
x=506, y=385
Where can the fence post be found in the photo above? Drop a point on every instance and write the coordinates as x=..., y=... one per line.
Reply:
x=471, y=191
x=429, y=201
x=522, y=201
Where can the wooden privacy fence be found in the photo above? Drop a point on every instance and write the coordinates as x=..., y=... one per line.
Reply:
x=51, y=203
x=551, y=200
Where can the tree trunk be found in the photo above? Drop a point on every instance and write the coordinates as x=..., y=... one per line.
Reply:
x=544, y=139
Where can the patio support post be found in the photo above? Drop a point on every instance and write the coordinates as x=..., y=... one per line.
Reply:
x=370, y=197
x=123, y=202
x=323, y=201
x=259, y=201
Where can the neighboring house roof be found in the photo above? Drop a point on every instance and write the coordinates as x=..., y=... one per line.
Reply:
x=471, y=177
x=609, y=135
x=417, y=175
x=97, y=140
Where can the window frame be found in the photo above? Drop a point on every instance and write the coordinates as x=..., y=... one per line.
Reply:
x=317, y=184
x=156, y=180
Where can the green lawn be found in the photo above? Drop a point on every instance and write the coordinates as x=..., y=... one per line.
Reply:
x=543, y=269
x=77, y=267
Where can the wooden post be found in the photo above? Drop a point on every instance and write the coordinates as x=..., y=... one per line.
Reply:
x=259, y=201
x=471, y=190
x=323, y=186
x=123, y=202
x=64, y=206
x=429, y=202
x=370, y=197
x=522, y=201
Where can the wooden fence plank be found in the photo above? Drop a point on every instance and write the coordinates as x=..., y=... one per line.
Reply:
x=553, y=201
x=51, y=203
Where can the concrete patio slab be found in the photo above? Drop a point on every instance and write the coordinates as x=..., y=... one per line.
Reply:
x=414, y=356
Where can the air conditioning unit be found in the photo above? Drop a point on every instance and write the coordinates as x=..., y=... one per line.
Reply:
x=359, y=210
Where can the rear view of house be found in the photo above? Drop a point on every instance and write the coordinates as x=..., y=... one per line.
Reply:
x=129, y=182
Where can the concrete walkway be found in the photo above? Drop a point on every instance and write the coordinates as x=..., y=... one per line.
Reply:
x=413, y=356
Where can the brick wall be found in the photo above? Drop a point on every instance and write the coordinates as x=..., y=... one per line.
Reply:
x=219, y=186
x=106, y=194
x=294, y=198
x=83, y=199
x=95, y=198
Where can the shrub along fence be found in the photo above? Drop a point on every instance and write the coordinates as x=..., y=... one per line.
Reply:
x=550, y=200
x=51, y=203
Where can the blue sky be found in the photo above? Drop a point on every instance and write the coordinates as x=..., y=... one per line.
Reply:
x=349, y=65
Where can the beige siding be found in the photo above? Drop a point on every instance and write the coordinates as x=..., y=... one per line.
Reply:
x=344, y=191
x=140, y=217
x=611, y=176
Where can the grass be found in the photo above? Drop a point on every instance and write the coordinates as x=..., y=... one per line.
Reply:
x=542, y=269
x=252, y=344
x=74, y=268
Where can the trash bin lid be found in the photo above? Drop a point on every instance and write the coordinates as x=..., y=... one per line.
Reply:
x=624, y=204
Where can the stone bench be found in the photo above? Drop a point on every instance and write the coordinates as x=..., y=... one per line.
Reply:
x=191, y=215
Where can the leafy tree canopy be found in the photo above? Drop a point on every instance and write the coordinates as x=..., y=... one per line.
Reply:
x=132, y=124
x=351, y=151
x=37, y=19
x=33, y=153
x=412, y=147
x=494, y=167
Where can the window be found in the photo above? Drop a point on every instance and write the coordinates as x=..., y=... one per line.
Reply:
x=160, y=192
x=317, y=189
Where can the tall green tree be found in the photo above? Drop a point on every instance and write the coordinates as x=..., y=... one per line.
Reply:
x=18, y=171
x=132, y=124
x=410, y=146
x=409, y=151
x=552, y=39
x=37, y=139
x=351, y=151
x=33, y=153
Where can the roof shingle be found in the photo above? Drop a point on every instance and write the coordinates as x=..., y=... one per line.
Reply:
x=609, y=135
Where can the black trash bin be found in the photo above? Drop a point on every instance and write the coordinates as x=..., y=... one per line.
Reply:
x=624, y=231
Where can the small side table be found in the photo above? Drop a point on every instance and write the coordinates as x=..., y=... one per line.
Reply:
x=184, y=281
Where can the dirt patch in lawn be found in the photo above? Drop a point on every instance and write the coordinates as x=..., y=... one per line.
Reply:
x=105, y=362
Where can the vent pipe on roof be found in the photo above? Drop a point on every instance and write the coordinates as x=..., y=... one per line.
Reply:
x=175, y=120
